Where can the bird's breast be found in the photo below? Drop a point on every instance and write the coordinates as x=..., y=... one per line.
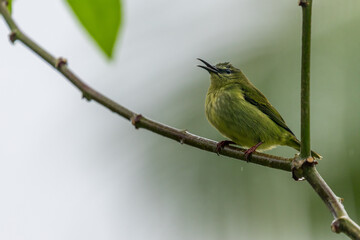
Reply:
x=239, y=120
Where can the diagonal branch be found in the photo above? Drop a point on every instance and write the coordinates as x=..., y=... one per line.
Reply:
x=342, y=222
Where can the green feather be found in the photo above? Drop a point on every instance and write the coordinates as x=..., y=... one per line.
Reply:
x=255, y=97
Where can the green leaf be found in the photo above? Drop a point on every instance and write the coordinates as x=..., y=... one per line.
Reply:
x=101, y=18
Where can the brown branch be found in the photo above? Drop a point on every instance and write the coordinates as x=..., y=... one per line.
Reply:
x=342, y=222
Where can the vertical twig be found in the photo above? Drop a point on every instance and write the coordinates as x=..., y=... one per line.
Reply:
x=342, y=222
x=305, y=79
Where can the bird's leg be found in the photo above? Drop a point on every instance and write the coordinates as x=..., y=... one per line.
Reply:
x=251, y=150
x=222, y=144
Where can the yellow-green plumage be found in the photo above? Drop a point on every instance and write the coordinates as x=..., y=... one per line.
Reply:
x=242, y=113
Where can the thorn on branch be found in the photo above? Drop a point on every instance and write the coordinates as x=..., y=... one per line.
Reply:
x=86, y=96
x=60, y=62
x=13, y=36
x=135, y=119
x=341, y=200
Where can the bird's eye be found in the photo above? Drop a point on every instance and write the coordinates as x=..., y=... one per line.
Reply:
x=228, y=71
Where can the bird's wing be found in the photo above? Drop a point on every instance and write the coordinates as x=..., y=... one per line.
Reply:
x=256, y=98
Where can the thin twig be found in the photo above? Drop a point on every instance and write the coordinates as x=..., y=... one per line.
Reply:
x=342, y=222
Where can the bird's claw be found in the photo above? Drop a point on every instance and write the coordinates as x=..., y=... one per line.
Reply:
x=220, y=145
x=248, y=152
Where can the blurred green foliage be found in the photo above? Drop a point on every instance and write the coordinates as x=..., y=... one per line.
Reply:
x=220, y=198
x=101, y=19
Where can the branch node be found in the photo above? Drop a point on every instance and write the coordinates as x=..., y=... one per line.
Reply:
x=135, y=119
x=182, y=138
x=303, y=3
x=13, y=36
x=337, y=223
x=298, y=162
x=310, y=160
x=298, y=170
x=297, y=174
x=60, y=62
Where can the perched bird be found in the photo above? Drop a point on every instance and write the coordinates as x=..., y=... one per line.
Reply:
x=240, y=112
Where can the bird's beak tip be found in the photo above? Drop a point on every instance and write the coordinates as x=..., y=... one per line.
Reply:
x=210, y=68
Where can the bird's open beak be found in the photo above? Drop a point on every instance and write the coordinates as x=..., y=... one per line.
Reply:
x=210, y=68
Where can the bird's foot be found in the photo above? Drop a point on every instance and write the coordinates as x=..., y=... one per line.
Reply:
x=251, y=150
x=222, y=144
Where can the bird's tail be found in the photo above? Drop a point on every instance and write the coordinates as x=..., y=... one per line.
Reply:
x=296, y=144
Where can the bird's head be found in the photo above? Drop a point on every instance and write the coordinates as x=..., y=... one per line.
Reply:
x=223, y=73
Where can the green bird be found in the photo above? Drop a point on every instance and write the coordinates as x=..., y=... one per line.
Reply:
x=240, y=112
